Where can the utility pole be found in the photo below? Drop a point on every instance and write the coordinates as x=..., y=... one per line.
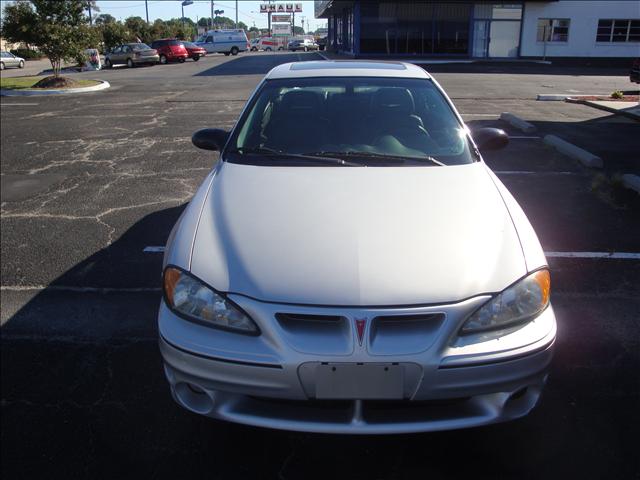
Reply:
x=269, y=17
x=146, y=9
x=236, y=14
x=211, y=14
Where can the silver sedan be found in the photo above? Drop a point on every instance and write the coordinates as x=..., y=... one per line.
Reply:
x=8, y=59
x=373, y=277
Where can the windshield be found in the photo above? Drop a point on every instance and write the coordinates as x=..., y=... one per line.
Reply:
x=140, y=46
x=189, y=44
x=359, y=119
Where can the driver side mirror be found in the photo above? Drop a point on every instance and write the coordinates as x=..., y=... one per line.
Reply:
x=210, y=139
x=490, y=139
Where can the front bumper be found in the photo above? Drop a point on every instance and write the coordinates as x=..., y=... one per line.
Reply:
x=269, y=380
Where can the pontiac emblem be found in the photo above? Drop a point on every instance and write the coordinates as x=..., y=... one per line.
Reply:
x=360, y=327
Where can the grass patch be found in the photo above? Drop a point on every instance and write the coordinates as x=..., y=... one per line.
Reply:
x=22, y=83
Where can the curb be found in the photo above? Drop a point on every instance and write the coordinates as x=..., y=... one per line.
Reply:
x=631, y=181
x=592, y=104
x=551, y=97
x=517, y=122
x=588, y=159
x=61, y=91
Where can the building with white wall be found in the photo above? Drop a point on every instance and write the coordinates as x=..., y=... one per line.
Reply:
x=483, y=29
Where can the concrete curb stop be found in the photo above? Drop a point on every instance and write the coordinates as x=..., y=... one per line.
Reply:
x=58, y=91
x=589, y=103
x=631, y=181
x=517, y=122
x=551, y=97
x=588, y=159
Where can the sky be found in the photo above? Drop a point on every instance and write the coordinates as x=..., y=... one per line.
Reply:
x=248, y=11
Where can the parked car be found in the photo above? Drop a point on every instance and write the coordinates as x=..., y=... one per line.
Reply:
x=322, y=43
x=131, y=55
x=374, y=277
x=8, y=59
x=634, y=73
x=229, y=42
x=305, y=44
x=194, y=51
x=170, y=50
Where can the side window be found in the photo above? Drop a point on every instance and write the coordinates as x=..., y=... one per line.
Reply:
x=126, y=49
x=4, y=55
x=209, y=39
x=117, y=50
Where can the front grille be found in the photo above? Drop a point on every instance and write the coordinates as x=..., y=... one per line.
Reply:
x=392, y=334
x=289, y=318
x=317, y=334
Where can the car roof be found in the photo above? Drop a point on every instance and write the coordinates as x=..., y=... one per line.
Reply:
x=347, y=68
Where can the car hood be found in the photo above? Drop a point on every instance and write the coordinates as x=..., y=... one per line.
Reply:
x=356, y=236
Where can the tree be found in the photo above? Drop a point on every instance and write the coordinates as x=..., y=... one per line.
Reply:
x=59, y=29
x=114, y=34
x=104, y=18
x=139, y=28
x=90, y=6
x=19, y=22
x=298, y=30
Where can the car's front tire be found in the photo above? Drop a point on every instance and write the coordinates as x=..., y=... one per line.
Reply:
x=130, y=63
x=107, y=63
x=234, y=51
x=1, y=65
x=196, y=58
x=163, y=59
x=21, y=64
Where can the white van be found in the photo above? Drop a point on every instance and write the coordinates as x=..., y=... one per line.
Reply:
x=224, y=41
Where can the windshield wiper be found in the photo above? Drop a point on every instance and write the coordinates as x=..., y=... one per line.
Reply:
x=394, y=158
x=311, y=157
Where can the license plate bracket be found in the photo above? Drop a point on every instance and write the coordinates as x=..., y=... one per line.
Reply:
x=362, y=381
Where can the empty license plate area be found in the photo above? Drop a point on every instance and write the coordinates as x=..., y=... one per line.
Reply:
x=364, y=381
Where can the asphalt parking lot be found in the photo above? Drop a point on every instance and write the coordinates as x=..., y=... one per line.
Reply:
x=90, y=181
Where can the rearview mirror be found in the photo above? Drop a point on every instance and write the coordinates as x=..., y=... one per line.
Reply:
x=490, y=139
x=210, y=138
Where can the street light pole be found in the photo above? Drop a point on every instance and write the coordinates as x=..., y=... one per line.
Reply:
x=146, y=9
x=236, y=14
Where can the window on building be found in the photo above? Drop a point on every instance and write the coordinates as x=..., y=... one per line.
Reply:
x=553, y=29
x=618, y=31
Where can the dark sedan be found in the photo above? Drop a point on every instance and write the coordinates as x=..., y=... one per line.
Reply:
x=194, y=51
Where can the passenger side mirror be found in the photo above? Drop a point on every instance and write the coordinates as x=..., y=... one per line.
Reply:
x=490, y=139
x=210, y=138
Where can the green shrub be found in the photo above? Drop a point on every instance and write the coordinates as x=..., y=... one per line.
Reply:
x=617, y=94
x=27, y=53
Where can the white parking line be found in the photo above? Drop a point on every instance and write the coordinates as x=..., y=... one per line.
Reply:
x=153, y=250
x=527, y=172
x=480, y=114
x=605, y=255
x=5, y=104
x=520, y=137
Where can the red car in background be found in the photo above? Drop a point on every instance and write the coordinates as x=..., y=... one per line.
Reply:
x=170, y=50
x=194, y=50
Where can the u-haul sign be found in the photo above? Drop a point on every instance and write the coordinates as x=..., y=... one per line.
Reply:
x=280, y=7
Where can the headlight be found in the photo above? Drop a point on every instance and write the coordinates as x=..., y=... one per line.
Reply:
x=191, y=298
x=517, y=304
